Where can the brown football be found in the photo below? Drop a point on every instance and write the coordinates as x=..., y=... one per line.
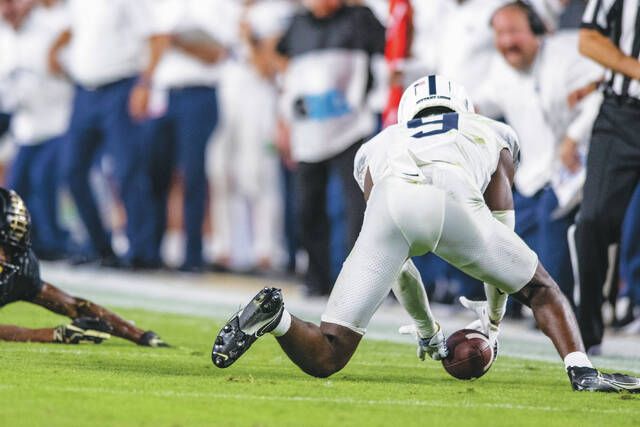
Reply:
x=470, y=354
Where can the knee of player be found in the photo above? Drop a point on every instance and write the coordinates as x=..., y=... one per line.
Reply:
x=323, y=367
x=322, y=371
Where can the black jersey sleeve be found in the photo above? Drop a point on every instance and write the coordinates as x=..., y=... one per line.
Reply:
x=26, y=283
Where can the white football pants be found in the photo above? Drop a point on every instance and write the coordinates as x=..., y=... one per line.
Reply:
x=403, y=219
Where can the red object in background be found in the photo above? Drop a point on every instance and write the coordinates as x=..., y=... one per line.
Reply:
x=399, y=34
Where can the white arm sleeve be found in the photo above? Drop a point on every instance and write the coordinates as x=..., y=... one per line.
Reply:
x=409, y=290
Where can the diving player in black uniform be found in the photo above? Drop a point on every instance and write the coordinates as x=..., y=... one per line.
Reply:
x=20, y=281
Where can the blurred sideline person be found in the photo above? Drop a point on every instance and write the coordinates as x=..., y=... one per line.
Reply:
x=628, y=303
x=5, y=119
x=328, y=71
x=244, y=171
x=397, y=50
x=571, y=16
x=20, y=281
x=549, y=11
x=439, y=181
x=610, y=36
x=106, y=40
x=40, y=103
x=466, y=46
x=530, y=87
x=178, y=92
x=429, y=20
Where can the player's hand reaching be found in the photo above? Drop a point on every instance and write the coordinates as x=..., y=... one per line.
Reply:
x=435, y=346
x=483, y=323
x=83, y=329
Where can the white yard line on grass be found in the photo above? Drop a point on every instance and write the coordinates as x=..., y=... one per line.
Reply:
x=96, y=391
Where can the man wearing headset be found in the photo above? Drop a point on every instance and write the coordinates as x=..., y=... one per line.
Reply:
x=533, y=85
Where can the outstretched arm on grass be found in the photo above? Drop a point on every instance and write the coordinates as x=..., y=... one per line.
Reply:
x=58, y=301
x=81, y=330
x=16, y=333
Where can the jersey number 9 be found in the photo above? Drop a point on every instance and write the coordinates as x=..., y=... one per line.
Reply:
x=434, y=125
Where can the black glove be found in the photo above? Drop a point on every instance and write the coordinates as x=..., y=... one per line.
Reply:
x=83, y=329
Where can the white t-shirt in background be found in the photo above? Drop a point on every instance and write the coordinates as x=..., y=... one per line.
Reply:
x=109, y=39
x=207, y=20
x=466, y=45
x=39, y=101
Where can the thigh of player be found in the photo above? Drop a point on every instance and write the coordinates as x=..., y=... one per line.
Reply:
x=376, y=259
x=476, y=243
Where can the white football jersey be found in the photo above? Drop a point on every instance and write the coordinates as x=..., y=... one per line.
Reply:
x=468, y=141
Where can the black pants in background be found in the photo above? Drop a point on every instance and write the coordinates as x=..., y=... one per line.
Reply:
x=613, y=170
x=314, y=230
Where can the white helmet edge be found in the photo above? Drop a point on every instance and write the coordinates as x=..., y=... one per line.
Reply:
x=433, y=91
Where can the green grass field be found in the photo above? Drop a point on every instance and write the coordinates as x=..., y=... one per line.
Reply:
x=119, y=384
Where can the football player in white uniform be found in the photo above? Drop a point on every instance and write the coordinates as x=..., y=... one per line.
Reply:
x=439, y=181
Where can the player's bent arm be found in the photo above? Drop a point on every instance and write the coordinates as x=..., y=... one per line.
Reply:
x=56, y=300
x=499, y=198
x=498, y=195
x=90, y=316
x=601, y=49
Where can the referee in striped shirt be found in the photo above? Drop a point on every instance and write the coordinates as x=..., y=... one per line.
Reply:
x=610, y=35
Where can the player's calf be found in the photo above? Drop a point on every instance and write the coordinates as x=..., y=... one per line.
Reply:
x=552, y=312
x=319, y=351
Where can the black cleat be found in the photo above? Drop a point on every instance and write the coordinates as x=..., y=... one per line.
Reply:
x=260, y=316
x=589, y=379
